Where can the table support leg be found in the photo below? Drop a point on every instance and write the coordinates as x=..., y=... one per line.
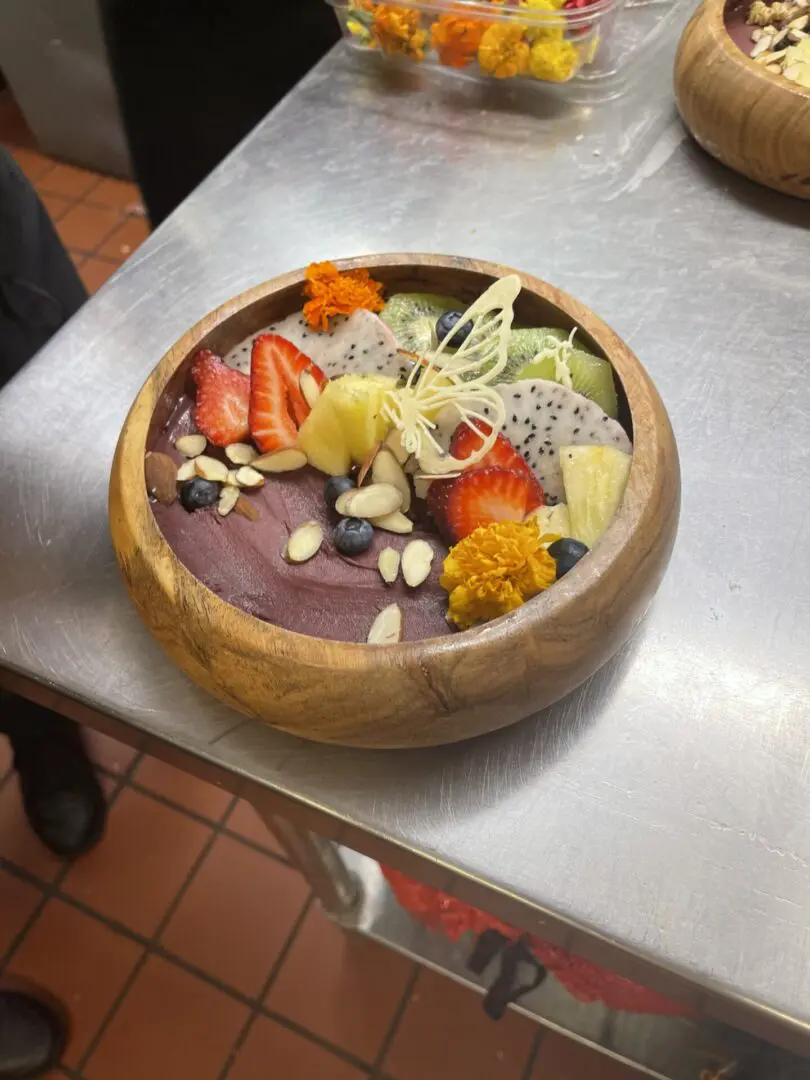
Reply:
x=336, y=888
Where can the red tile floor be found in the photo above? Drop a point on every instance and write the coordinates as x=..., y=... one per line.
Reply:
x=185, y=947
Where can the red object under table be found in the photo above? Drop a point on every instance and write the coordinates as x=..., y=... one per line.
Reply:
x=583, y=980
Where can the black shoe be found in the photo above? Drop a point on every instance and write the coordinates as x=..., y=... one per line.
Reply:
x=32, y=1037
x=62, y=797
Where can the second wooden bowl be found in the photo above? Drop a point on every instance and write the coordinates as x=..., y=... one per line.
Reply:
x=753, y=121
x=419, y=693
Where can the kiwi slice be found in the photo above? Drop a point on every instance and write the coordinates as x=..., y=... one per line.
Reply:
x=413, y=317
x=524, y=345
x=591, y=376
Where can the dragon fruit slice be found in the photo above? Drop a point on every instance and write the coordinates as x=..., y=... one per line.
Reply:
x=542, y=416
x=359, y=345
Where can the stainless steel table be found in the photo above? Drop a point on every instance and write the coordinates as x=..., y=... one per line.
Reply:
x=659, y=819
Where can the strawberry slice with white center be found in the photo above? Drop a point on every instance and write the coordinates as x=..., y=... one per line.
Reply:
x=221, y=408
x=277, y=405
x=482, y=496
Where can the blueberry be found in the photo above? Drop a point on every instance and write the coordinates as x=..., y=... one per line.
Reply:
x=198, y=493
x=446, y=323
x=335, y=487
x=353, y=535
x=566, y=553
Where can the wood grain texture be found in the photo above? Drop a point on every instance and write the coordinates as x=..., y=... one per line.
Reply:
x=419, y=693
x=751, y=120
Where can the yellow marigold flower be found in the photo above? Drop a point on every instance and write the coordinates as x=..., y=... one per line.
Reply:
x=456, y=39
x=549, y=25
x=503, y=52
x=496, y=569
x=554, y=61
x=398, y=31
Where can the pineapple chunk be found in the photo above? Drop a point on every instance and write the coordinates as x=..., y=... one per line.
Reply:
x=321, y=438
x=551, y=519
x=358, y=401
x=346, y=422
x=594, y=478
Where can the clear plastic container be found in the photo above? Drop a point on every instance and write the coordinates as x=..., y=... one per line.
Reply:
x=538, y=41
x=588, y=53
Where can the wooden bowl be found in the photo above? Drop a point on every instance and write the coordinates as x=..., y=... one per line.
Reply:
x=751, y=120
x=419, y=693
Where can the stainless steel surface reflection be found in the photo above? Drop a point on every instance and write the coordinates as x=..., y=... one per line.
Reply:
x=659, y=818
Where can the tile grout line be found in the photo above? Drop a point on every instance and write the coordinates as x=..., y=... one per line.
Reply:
x=241, y=1038
x=531, y=1060
x=51, y=888
x=142, y=959
x=220, y=826
x=393, y=1027
x=153, y=947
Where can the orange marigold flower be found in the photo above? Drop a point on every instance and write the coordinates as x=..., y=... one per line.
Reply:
x=503, y=52
x=456, y=39
x=398, y=32
x=495, y=569
x=333, y=293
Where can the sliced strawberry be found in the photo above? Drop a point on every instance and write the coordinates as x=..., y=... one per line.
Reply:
x=437, y=496
x=293, y=363
x=221, y=409
x=271, y=425
x=481, y=496
x=503, y=453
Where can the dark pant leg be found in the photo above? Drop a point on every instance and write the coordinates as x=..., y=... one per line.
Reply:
x=39, y=286
x=39, y=291
x=194, y=76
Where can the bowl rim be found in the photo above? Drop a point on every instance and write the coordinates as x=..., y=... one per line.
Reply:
x=633, y=517
x=716, y=10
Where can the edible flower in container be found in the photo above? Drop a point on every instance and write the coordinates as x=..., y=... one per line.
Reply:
x=398, y=31
x=457, y=38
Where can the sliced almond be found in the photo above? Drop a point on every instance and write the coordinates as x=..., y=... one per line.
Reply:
x=779, y=37
x=241, y=453
x=761, y=46
x=421, y=486
x=248, y=477
x=232, y=478
x=246, y=508
x=792, y=72
x=799, y=23
x=369, y=461
x=161, y=477
x=387, y=627
x=228, y=498
x=774, y=69
x=211, y=469
x=388, y=565
x=304, y=542
x=387, y=470
x=394, y=523
x=309, y=388
x=187, y=471
x=417, y=559
x=369, y=502
x=795, y=36
x=280, y=461
x=191, y=446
